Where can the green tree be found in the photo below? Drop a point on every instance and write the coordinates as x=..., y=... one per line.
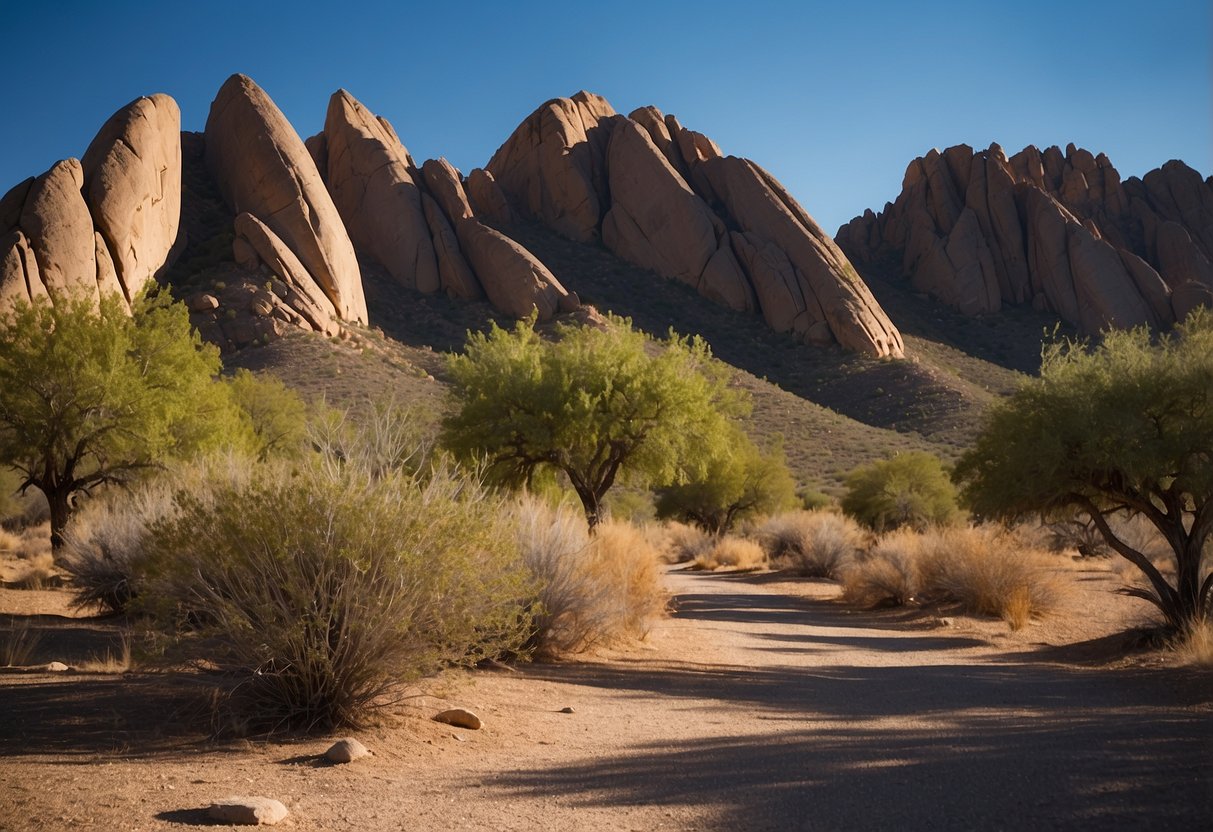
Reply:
x=737, y=480
x=277, y=416
x=93, y=394
x=591, y=404
x=907, y=489
x=1126, y=426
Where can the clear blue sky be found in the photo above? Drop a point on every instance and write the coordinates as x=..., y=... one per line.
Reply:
x=834, y=98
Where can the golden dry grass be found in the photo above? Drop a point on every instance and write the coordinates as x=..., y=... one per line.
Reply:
x=1195, y=646
x=817, y=544
x=887, y=574
x=679, y=542
x=731, y=553
x=989, y=571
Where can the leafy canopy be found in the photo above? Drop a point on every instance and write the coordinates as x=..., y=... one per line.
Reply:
x=591, y=404
x=1126, y=426
x=91, y=394
x=737, y=481
x=908, y=489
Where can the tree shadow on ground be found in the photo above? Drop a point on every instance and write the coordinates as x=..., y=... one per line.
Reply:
x=1015, y=743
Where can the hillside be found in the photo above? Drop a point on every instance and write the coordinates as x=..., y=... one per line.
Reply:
x=834, y=409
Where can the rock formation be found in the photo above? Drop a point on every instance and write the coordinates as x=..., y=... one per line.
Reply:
x=665, y=198
x=1058, y=230
x=370, y=176
x=263, y=169
x=420, y=224
x=106, y=225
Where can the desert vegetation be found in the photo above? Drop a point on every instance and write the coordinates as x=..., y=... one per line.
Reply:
x=1122, y=428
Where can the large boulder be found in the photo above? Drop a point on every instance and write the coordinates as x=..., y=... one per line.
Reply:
x=515, y=281
x=446, y=187
x=263, y=168
x=488, y=200
x=132, y=184
x=456, y=275
x=552, y=166
x=369, y=174
x=59, y=229
x=758, y=204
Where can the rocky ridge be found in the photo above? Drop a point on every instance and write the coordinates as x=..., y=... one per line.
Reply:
x=103, y=224
x=979, y=230
x=666, y=198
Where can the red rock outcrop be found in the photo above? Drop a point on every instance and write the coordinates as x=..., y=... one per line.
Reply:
x=1059, y=230
x=370, y=176
x=263, y=168
x=664, y=197
x=132, y=183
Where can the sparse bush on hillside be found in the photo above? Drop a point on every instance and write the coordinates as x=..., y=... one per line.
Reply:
x=388, y=437
x=318, y=589
x=590, y=590
x=988, y=571
x=908, y=489
x=277, y=416
x=817, y=544
x=731, y=553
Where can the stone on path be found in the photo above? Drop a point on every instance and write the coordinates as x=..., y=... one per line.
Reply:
x=460, y=718
x=247, y=811
x=346, y=750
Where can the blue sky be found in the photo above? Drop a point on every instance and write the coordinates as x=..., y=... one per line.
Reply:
x=834, y=98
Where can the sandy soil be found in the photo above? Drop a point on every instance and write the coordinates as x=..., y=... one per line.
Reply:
x=760, y=704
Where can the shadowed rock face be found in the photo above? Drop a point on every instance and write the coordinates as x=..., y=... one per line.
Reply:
x=665, y=198
x=263, y=169
x=106, y=225
x=1058, y=230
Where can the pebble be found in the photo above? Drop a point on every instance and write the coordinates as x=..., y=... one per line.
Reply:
x=57, y=667
x=247, y=811
x=567, y=710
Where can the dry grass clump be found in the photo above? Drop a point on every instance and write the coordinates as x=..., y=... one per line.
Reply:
x=589, y=590
x=1194, y=646
x=989, y=571
x=681, y=542
x=18, y=645
x=817, y=544
x=731, y=553
x=887, y=574
x=105, y=544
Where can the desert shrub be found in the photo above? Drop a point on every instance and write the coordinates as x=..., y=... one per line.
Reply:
x=908, y=489
x=380, y=439
x=681, y=542
x=813, y=500
x=589, y=590
x=989, y=571
x=104, y=551
x=887, y=574
x=731, y=553
x=276, y=415
x=817, y=544
x=319, y=589
x=1194, y=645
x=630, y=505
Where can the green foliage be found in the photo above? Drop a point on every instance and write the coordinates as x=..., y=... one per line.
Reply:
x=737, y=481
x=277, y=416
x=908, y=489
x=318, y=589
x=1125, y=426
x=91, y=394
x=593, y=404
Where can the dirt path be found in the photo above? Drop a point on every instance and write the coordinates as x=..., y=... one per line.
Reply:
x=759, y=705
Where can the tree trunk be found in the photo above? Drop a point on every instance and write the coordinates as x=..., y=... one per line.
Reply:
x=592, y=505
x=61, y=511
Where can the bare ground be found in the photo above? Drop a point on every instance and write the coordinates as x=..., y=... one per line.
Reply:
x=760, y=704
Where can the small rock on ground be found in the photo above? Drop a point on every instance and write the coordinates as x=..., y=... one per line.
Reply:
x=460, y=718
x=247, y=811
x=346, y=750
